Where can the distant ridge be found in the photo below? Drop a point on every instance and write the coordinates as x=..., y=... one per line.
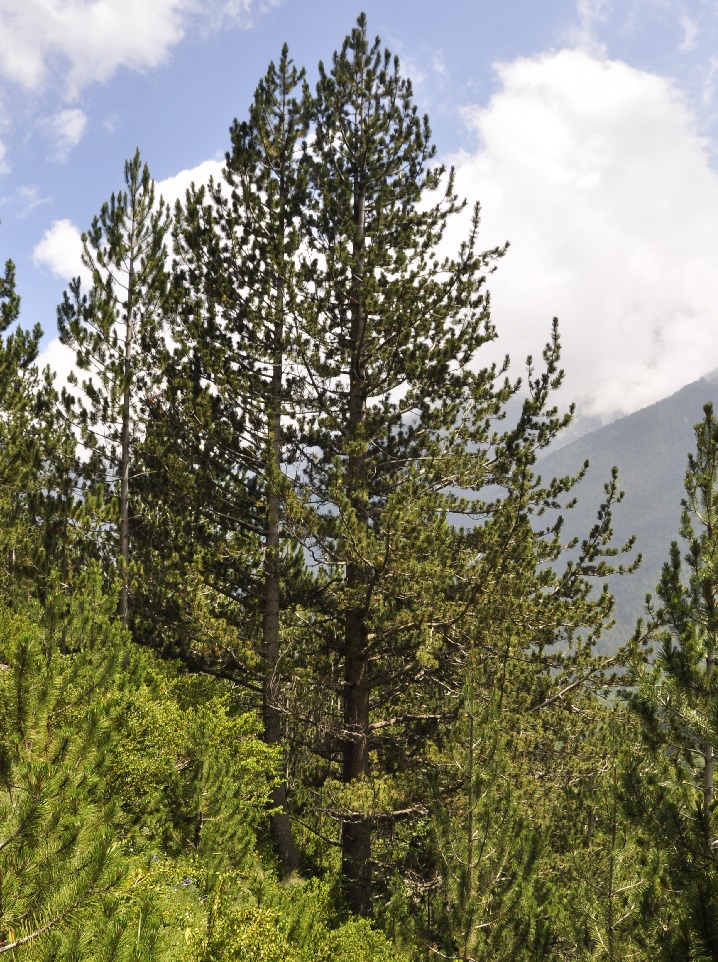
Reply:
x=650, y=449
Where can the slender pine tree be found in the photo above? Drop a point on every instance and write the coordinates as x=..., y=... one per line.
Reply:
x=230, y=388
x=114, y=331
x=676, y=698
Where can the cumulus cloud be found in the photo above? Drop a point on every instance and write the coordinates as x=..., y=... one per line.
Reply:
x=60, y=250
x=87, y=41
x=594, y=172
x=174, y=188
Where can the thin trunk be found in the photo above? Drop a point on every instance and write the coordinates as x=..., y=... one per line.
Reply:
x=708, y=767
x=281, y=826
x=610, y=924
x=469, y=892
x=280, y=822
x=124, y=603
x=357, y=829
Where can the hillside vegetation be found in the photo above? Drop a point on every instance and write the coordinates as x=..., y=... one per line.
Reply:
x=297, y=659
x=650, y=449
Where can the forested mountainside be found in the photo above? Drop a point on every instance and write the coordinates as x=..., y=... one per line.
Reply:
x=650, y=450
x=294, y=664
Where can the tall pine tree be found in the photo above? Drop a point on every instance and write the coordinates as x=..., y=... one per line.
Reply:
x=114, y=331
x=403, y=415
x=674, y=783
x=236, y=246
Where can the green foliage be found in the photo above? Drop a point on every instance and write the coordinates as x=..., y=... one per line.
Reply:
x=288, y=923
x=61, y=863
x=676, y=700
x=115, y=332
x=36, y=454
x=189, y=772
x=115, y=325
x=338, y=531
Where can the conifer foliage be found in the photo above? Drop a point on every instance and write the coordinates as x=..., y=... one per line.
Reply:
x=59, y=857
x=114, y=330
x=325, y=413
x=374, y=724
x=236, y=244
x=677, y=701
x=387, y=334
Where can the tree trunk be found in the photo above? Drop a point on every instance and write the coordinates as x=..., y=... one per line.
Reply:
x=124, y=532
x=708, y=767
x=357, y=829
x=281, y=826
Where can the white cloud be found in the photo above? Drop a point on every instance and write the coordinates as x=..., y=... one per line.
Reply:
x=60, y=250
x=61, y=360
x=684, y=25
x=87, y=41
x=594, y=171
x=438, y=64
x=110, y=123
x=708, y=86
x=65, y=130
x=174, y=188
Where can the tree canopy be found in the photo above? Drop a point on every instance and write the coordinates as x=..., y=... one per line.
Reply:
x=296, y=660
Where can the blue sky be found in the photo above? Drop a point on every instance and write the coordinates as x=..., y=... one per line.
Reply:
x=588, y=129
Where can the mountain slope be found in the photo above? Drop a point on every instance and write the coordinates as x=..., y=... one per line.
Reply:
x=650, y=449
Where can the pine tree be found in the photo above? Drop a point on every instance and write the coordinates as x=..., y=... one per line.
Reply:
x=21, y=404
x=403, y=415
x=387, y=335
x=37, y=457
x=115, y=331
x=677, y=701
x=229, y=390
x=334, y=415
x=237, y=253
x=526, y=705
